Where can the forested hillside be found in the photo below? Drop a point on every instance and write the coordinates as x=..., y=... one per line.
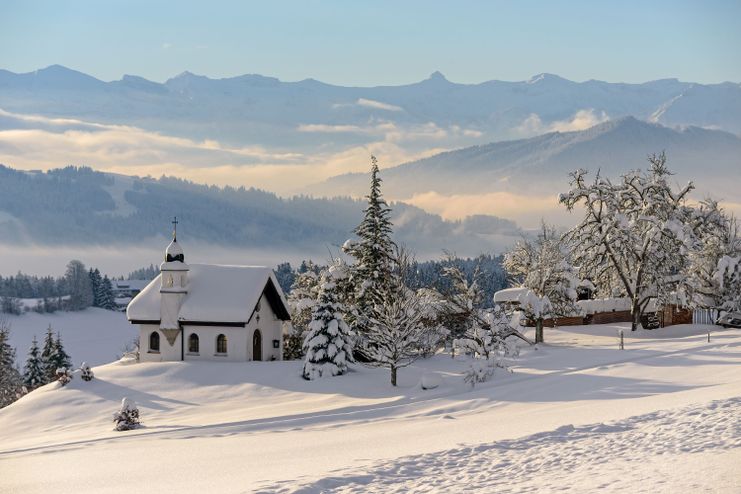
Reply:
x=65, y=206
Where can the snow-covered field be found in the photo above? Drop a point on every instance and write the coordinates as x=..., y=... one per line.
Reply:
x=95, y=336
x=577, y=414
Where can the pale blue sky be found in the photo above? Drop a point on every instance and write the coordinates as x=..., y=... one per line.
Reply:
x=378, y=42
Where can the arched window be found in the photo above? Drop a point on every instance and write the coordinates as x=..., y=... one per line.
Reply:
x=154, y=342
x=193, y=343
x=221, y=344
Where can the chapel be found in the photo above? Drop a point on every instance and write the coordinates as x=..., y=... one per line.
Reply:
x=209, y=312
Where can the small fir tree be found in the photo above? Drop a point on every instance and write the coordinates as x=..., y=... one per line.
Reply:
x=127, y=417
x=301, y=300
x=33, y=372
x=48, y=356
x=61, y=358
x=86, y=373
x=328, y=344
x=64, y=376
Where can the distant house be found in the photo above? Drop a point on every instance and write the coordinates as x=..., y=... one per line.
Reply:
x=125, y=290
x=209, y=312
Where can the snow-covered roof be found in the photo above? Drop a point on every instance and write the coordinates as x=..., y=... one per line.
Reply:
x=216, y=293
x=509, y=294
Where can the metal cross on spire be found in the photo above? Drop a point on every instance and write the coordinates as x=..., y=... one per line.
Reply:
x=175, y=228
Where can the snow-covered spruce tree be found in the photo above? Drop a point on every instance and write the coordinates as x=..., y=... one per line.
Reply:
x=95, y=281
x=59, y=359
x=372, y=252
x=48, y=356
x=77, y=280
x=542, y=266
x=301, y=300
x=635, y=233
x=33, y=371
x=86, y=373
x=106, y=300
x=11, y=383
x=127, y=417
x=396, y=322
x=327, y=346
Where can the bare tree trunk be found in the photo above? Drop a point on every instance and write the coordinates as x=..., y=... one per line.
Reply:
x=635, y=312
x=539, y=330
x=393, y=375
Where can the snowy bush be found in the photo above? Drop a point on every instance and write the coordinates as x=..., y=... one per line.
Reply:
x=127, y=417
x=64, y=375
x=486, y=341
x=86, y=373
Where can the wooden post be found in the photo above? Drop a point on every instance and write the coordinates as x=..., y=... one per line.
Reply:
x=622, y=341
x=708, y=336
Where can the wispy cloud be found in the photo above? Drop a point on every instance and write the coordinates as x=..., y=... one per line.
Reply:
x=369, y=103
x=37, y=142
x=582, y=119
x=526, y=210
x=378, y=105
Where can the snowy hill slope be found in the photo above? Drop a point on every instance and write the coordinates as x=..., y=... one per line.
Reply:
x=95, y=336
x=570, y=408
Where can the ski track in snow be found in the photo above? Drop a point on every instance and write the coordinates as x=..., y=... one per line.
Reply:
x=613, y=454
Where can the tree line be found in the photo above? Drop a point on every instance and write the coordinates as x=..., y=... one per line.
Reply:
x=78, y=289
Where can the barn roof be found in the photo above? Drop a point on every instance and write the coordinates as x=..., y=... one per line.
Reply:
x=216, y=294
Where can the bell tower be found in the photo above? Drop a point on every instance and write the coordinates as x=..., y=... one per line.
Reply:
x=173, y=287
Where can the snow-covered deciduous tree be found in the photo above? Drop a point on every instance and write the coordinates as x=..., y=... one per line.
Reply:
x=301, y=300
x=396, y=322
x=463, y=300
x=542, y=266
x=373, y=252
x=77, y=279
x=715, y=265
x=636, y=233
x=127, y=417
x=33, y=371
x=486, y=340
x=86, y=373
x=328, y=343
x=11, y=383
x=432, y=306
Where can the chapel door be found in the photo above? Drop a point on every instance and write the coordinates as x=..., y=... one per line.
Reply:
x=257, y=345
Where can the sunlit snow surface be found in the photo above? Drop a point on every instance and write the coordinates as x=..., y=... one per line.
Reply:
x=576, y=415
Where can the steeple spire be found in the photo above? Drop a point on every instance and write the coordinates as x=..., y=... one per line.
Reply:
x=174, y=252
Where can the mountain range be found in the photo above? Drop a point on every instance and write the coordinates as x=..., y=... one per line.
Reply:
x=311, y=115
x=710, y=158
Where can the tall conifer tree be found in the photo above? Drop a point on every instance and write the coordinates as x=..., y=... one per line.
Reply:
x=373, y=251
